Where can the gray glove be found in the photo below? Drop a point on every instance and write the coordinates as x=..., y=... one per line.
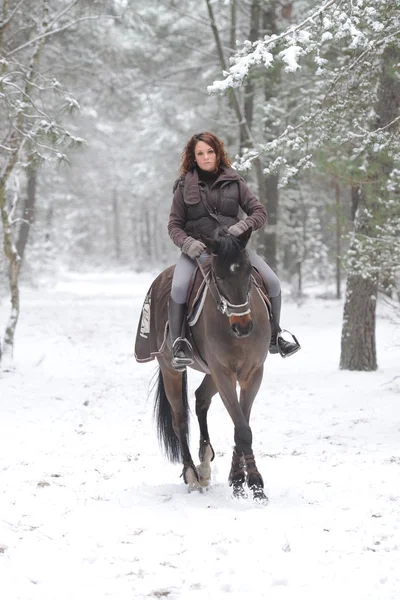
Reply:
x=238, y=228
x=193, y=248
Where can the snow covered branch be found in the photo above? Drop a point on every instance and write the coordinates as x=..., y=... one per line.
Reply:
x=47, y=34
x=7, y=20
x=262, y=53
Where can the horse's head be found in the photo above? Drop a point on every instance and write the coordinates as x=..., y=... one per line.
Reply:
x=231, y=275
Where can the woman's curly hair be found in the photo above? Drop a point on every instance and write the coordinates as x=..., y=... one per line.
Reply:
x=188, y=157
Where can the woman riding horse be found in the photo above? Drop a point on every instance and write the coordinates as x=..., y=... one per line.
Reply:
x=208, y=195
x=231, y=334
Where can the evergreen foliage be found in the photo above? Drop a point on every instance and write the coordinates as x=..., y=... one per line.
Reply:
x=342, y=50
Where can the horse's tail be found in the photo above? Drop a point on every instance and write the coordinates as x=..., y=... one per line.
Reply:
x=163, y=415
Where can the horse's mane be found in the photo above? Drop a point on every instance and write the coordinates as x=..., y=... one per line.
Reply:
x=228, y=246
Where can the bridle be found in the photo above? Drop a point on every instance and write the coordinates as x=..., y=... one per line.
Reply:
x=223, y=304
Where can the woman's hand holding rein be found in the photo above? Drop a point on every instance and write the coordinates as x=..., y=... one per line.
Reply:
x=238, y=228
x=193, y=248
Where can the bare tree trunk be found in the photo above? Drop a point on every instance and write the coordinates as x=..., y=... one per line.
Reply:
x=300, y=280
x=338, y=242
x=356, y=193
x=116, y=227
x=358, y=346
x=270, y=239
x=358, y=334
x=157, y=238
x=134, y=233
x=48, y=227
x=233, y=25
x=248, y=104
x=147, y=237
x=138, y=219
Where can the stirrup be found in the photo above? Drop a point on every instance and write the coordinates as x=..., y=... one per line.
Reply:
x=295, y=349
x=181, y=362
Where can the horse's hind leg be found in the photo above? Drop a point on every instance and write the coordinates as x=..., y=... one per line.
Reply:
x=204, y=394
x=175, y=388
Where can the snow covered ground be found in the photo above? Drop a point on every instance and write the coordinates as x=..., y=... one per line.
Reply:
x=89, y=508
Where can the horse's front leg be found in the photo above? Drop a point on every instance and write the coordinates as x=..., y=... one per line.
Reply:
x=249, y=387
x=204, y=394
x=226, y=384
x=237, y=475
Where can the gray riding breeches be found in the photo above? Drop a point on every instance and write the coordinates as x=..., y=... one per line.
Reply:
x=185, y=267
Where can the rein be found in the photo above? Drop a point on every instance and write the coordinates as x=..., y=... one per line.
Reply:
x=223, y=305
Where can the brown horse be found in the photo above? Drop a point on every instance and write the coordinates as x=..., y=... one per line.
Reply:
x=232, y=336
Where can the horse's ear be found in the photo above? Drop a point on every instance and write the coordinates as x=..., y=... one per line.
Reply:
x=210, y=243
x=244, y=237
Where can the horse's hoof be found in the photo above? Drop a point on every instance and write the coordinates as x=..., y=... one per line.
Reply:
x=204, y=482
x=238, y=491
x=192, y=479
x=195, y=487
x=260, y=497
x=204, y=472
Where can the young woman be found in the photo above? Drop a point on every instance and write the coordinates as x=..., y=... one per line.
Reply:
x=208, y=195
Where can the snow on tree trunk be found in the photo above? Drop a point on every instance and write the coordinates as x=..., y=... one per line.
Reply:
x=6, y=356
x=28, y=212
x=8, y=345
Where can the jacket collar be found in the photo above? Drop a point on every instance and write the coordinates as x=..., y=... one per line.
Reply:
x=191, y=186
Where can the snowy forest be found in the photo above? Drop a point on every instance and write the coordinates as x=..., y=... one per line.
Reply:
x=98, y=98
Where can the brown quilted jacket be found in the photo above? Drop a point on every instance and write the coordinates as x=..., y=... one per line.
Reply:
x=198, y=209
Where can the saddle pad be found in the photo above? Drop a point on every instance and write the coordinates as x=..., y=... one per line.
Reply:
x=152, y=327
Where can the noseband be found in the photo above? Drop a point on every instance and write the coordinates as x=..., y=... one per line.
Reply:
x=223, y=305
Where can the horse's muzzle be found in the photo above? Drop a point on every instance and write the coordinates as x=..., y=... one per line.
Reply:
x=241, y=326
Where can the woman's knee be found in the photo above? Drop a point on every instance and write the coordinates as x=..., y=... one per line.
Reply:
x=269, y=276
x=273, y=283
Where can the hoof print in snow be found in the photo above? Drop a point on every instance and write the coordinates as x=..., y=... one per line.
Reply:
x=160, y=593
x=2, y=548
x=43, y=484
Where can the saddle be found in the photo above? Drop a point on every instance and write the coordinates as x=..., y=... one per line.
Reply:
x=154, y=315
